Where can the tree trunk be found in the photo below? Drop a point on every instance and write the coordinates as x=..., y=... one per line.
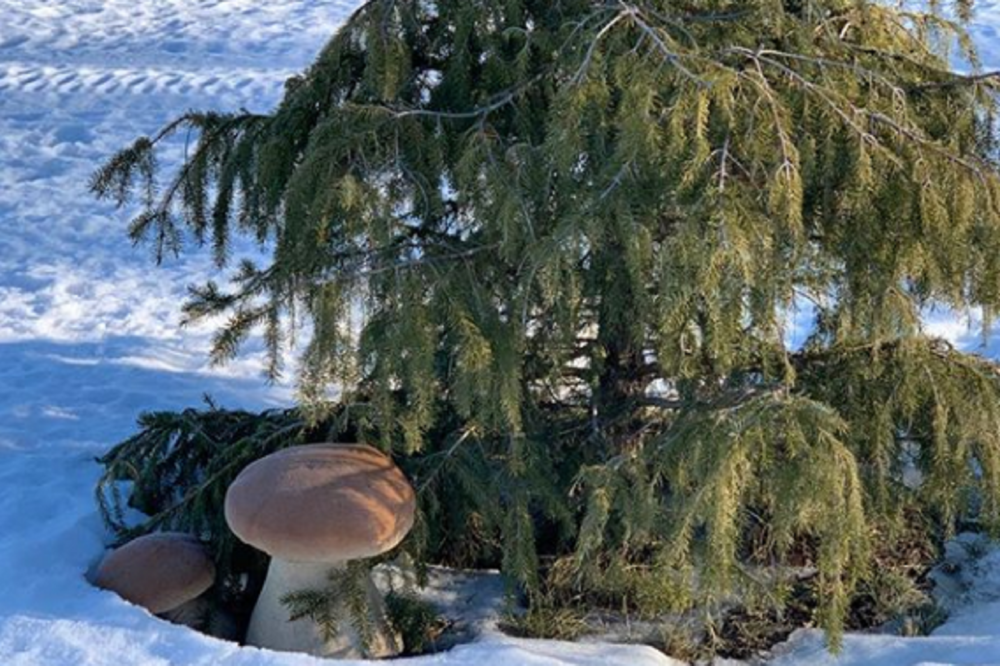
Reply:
x=621, y=379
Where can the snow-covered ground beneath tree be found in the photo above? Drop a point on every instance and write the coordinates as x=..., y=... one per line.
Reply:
x=89, y=331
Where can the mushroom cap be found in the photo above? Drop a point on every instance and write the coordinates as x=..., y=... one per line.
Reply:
x=321, y=503
x=158, y=571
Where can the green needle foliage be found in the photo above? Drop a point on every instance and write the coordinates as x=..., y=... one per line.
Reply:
x=548, y=251
x=176, y=471
x=346, y=599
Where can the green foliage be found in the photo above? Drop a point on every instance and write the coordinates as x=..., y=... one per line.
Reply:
x=918, y=404
x=345, y=600
x=176, y=471
x=895, y=595
x=546, y=252
x=417, y=622
x=557, y=622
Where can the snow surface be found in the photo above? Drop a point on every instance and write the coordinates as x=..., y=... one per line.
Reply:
x=89, y=331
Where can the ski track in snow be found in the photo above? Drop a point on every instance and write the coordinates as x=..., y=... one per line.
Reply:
x=89, y=333
x=78, y=305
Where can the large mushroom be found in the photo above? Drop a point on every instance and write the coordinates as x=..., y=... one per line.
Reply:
x=312, y=509
x=165, y=573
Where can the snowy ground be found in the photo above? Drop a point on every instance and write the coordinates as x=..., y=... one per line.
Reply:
x=89, y=334
x=89, y=329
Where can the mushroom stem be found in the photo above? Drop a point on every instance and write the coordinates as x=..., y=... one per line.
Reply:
x=271, y=628
x=193, y=613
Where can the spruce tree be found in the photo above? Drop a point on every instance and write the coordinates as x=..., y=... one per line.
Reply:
x=549, y=251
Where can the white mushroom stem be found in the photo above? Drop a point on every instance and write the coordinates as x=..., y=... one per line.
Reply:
x=270, y=626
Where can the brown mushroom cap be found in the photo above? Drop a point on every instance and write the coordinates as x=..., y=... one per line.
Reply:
x=321, y=503
x=158, y=571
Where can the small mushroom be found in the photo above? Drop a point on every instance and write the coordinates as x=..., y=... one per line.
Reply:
x=312, y=509
x=165, y=573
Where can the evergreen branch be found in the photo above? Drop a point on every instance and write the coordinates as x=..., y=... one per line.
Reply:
x=960, y=80
x=581, y=71
x=479, y=113
x=409, y=264
x=824, y=94
x=878, y=117
x=446, y=456
x=674, y=58
x=851, y=67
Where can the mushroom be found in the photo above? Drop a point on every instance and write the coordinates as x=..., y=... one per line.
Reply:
x=312, y=509
x=165, y=573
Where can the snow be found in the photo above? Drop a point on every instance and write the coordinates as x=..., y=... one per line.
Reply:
x=89, y=328
x=89, y=332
